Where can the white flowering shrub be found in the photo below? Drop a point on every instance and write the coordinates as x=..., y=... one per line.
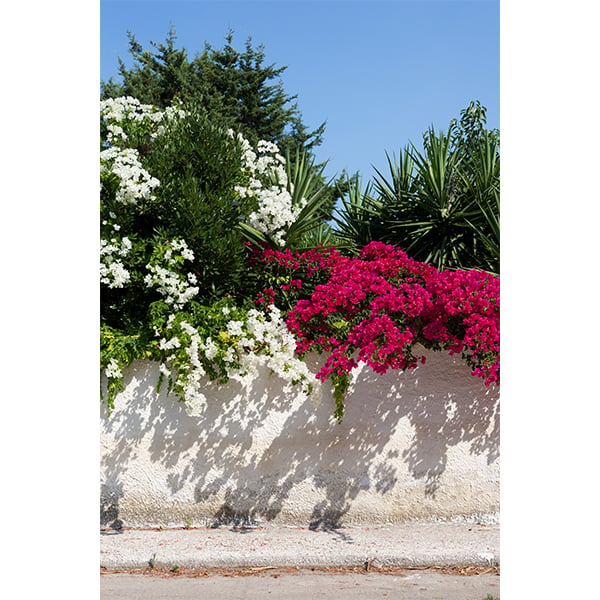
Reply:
x=112, y=271
x=126, y=121
x=164, y=273
x=275, y=213
x=268, y=184
x=113, y=370
x=121, y=166
x=128, y=126
x=269, y=333
x=225, y=343
x=163, y=176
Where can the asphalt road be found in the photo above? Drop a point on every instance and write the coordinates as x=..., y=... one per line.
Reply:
x=302, y=584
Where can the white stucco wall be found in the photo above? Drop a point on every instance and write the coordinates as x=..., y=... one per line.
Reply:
x=416, y=444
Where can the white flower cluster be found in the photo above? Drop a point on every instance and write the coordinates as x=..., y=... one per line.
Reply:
x=112, y=271
x=192, y=387
x=268, y=183
x=189, y=375
x=269, y=343
x=275, y=213
x=266, y=164
x=175, y=288
x=123, y=112
x=135, y=183
x=258, y=340
x=113, y=370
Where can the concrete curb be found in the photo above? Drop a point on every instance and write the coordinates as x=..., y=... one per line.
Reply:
x=413, y=544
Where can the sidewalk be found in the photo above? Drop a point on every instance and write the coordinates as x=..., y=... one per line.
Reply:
x=413, y=544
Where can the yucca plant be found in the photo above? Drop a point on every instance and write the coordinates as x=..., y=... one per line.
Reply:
x=402, y=183
x=358, y=220
x=423, y=204
x=441, y=204
x=483, y=186
x=323, y=235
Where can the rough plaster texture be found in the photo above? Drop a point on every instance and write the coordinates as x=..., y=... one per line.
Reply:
x=417, y=444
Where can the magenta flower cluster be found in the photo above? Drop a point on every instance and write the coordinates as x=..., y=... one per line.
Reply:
x=376, y=308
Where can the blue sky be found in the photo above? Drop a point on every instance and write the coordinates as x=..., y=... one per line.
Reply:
x=378, y=72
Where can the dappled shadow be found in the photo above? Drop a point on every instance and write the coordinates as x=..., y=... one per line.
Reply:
x=127, y=435
x=335, y=531
x=254, y=448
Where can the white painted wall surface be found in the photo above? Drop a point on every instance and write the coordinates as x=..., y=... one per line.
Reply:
x=416, y=444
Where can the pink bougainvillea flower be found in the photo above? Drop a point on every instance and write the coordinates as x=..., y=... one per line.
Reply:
x=377, y=307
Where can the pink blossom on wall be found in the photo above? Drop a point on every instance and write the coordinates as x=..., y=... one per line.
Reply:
x=377, y=307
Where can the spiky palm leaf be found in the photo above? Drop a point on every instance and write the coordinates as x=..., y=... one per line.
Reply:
x=439, y=204
x=427, y=209
x=358, y=219
x=323, y=236
x=482, y=183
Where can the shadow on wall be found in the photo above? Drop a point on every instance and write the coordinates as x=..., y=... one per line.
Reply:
x=254, y=446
